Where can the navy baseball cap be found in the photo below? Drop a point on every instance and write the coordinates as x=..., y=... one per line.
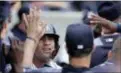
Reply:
x=79, y=37
x=110, y=10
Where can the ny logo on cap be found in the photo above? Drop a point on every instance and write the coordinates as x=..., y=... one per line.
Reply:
x=80, y=46
x=109, y=40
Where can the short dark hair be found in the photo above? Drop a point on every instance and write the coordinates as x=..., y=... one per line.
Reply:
x=24, y=9
x=110, y=10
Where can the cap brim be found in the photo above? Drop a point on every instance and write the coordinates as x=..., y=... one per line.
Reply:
x=53, y=35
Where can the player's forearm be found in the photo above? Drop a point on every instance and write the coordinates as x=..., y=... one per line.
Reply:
x=112, y=26
x=29, y=49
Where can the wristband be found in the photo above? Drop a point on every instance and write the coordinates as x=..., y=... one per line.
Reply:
x=31, y=39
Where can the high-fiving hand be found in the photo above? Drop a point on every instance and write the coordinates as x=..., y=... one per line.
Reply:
x=34, y=26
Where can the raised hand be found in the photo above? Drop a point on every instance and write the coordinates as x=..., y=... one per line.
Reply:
x=35, y=29
x=106, y=24
x=95, y=19
x=34, y=26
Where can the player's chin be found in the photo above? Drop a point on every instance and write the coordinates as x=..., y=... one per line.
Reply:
x=47, y=55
